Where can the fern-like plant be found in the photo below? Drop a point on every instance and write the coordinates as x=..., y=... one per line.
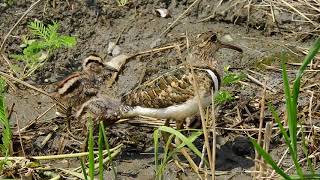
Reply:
x=37, y=51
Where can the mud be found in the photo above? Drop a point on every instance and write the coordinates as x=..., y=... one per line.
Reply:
x=136, y=28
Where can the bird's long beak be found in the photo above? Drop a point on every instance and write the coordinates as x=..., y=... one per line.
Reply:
x=230, y=46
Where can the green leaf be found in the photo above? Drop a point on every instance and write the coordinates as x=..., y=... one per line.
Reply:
x=183, y=138
x=223, y=96
x=38, y=28
x=48, y=40
x=232, y=78
x=68, y=41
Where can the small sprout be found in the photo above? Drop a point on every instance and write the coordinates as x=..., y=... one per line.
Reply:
x=122, y=2
x=37, y=51
x=232, y=78
x=223, y=97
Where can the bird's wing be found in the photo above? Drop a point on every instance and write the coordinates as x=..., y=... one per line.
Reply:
x=171, y=88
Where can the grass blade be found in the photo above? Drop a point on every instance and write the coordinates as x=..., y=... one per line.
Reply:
x=269, y=160
x=183, y=138
x=83, y=169
x=108, y=149
x=156, y=148
x=288, y=101
x=90, y=147
x=292, y=117
x=100, y=154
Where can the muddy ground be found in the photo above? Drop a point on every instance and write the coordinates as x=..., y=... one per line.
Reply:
x=137, y=27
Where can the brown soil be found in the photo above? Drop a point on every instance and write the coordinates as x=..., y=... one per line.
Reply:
x=139, y=29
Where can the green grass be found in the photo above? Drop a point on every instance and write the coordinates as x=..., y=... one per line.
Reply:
x=9, y=2
x=229, y=78
x=90, y=147
x=37, y=51
x=122, y=2
x=223, y=96
x=168, y=155
x=291, y=96
x=102, y=143
x=5, y=147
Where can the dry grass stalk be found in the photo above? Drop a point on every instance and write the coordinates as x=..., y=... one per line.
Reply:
x=179, y=17
x=214, y=139
x=261, y=119
x=278, y=164
x=313, y=155
x=256, y=81
x=266, y=145
x=16, y=24
x=32, y=87
x=203, y=121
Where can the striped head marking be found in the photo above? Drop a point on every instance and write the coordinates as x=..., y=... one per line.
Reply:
x=92, y=63
x=95, y=64
x=69, y=84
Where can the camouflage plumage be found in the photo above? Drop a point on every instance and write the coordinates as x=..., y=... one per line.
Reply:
x=79, y=87
x=171, y=88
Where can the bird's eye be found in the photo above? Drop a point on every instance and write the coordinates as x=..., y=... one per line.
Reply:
x=214, y=38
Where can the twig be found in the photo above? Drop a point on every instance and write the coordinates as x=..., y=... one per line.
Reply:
x=304, y=159
x=256, y=129
x=248, y=16
x=37, y=118
x=9, y=63
x=289, y=70
x=11, y=110
x=54, y=157
x=203, y=122
x=266, y=145
x=20, y=138
x=310, y=108
x=180, y=16
x=116, y=74
x=301, y=14
x=214, y=12
x=16, y=24
x=280, y=161
x=259, y=83
x=32, y=87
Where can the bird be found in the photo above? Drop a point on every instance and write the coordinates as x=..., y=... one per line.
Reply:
x=170, y=95
x=80, y=86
